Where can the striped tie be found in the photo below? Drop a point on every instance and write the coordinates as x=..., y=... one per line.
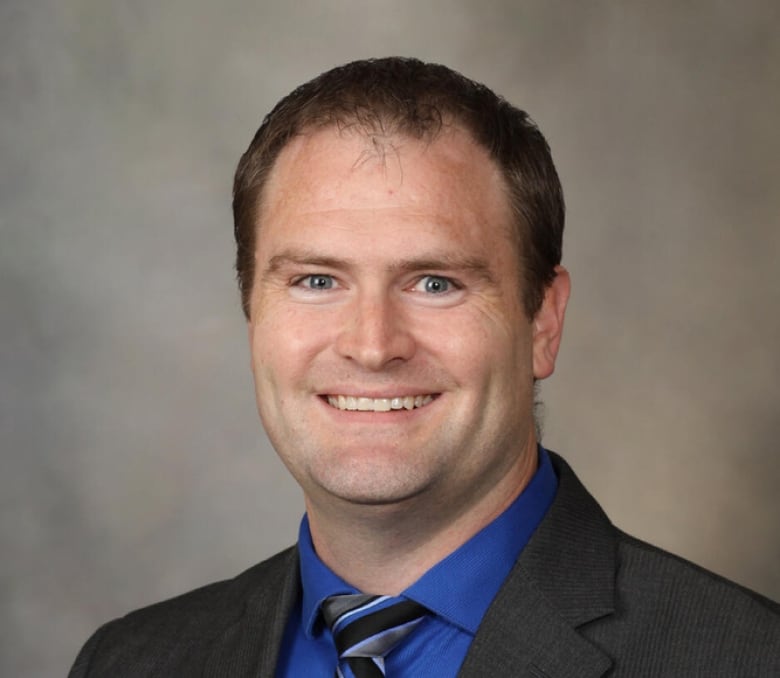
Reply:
x=366, y=628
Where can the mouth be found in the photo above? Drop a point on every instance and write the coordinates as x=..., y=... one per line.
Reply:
x=362, y=404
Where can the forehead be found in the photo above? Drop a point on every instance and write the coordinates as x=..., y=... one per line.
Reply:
x=327, y=166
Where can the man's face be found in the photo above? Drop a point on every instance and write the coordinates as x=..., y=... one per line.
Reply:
x=391, y=354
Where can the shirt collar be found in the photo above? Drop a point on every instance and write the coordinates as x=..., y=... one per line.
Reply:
x=460, y=587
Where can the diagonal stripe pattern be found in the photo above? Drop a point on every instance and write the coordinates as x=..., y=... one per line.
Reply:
x=367, y=628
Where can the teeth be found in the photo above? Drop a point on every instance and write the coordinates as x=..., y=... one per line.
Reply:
x=378, y=404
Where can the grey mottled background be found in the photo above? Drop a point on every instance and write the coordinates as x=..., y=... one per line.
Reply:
x=133, y=464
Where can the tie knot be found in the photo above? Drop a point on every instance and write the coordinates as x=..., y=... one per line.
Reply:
x=370, y=626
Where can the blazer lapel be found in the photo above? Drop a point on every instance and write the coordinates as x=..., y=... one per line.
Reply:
x=249, y=647
x=563, y=579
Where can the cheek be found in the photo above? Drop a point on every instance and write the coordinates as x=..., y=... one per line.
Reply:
x=285, y=342
x=498, y=356
x=462, y=344
x=475, y=334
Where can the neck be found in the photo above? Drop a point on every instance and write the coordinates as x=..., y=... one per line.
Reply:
x=383, y=549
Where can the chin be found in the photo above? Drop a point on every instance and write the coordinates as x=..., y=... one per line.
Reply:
x=370, y=487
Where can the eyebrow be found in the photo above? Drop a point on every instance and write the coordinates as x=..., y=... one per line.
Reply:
x=438, y=261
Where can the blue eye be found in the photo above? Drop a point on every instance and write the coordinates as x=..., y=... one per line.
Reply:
x=318, y=282
x=434, y=284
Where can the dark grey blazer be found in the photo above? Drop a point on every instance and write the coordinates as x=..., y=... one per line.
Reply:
x=583, y=600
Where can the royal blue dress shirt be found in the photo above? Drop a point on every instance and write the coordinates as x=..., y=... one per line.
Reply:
x=457, y=591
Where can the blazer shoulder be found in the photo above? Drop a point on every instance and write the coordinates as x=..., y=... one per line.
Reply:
x=143, y=641
x=213, y=602
x=645, y=568
x=672, y=612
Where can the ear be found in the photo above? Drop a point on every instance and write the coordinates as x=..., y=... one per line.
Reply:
x=548, y=324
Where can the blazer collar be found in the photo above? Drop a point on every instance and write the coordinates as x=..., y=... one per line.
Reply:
x=249, y=646
x=563, y=579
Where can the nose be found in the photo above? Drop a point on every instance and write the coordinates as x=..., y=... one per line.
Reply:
x=375, y=333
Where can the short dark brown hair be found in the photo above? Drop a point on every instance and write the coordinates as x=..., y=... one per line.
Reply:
x=405, y=96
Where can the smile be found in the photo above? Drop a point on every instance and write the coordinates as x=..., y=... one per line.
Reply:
x=361, y=404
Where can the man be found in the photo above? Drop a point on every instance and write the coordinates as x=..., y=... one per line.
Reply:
x=399, y=243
